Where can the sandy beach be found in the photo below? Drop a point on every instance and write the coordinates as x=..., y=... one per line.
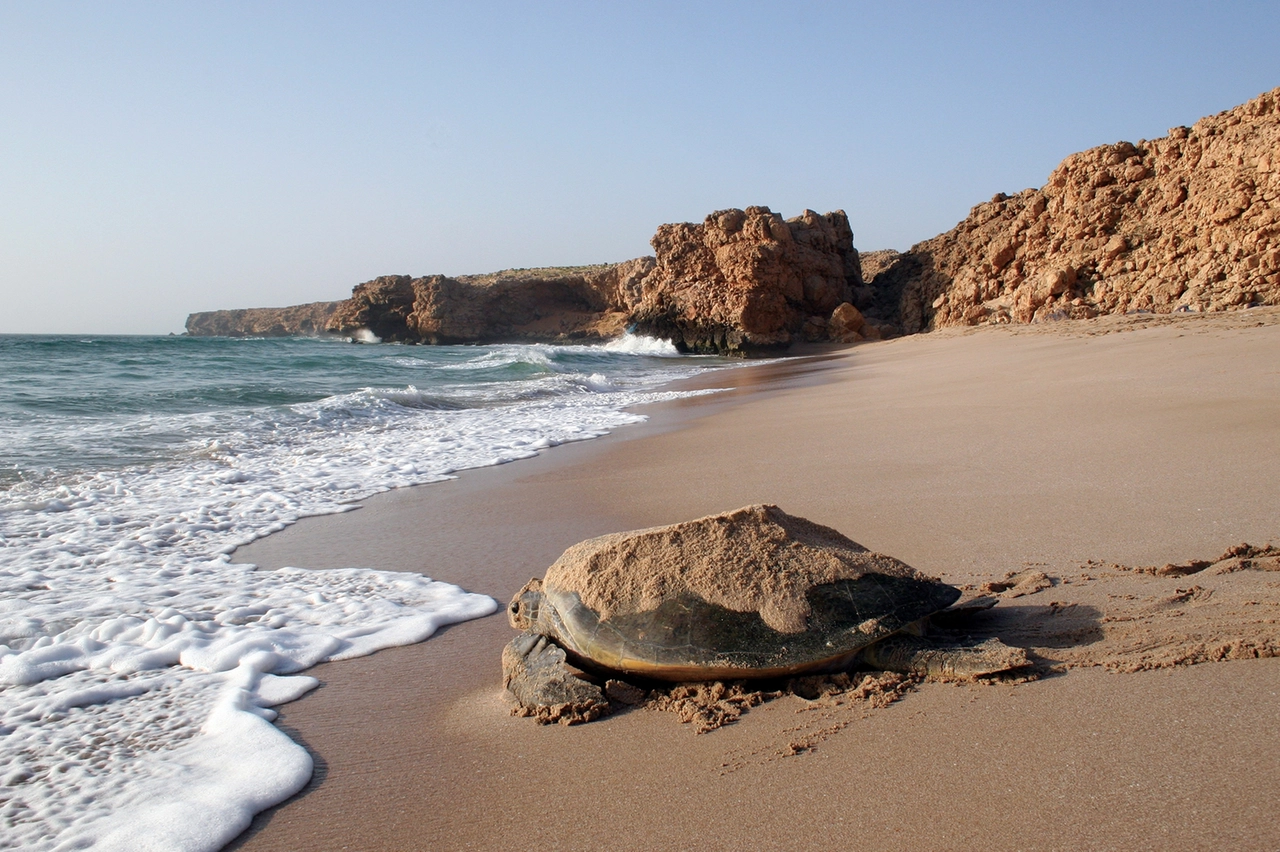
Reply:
x=1084, y=451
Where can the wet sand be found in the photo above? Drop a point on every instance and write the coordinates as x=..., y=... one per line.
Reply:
x=1080, y=450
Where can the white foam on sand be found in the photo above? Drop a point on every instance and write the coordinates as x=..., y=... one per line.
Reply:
x=139, y=666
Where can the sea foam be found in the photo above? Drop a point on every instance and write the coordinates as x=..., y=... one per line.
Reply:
x=139, y=666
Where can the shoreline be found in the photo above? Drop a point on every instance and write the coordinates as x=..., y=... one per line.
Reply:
x=966, y=454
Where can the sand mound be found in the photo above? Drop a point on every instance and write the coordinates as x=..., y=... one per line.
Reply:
x=757, y=558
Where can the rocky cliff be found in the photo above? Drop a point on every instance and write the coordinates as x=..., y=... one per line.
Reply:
x=745, y=280
x=742, y=280
x=1188, y=222
x=298, y=321
x=552, y=305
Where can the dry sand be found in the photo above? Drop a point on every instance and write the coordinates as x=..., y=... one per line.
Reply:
x=1055, y=460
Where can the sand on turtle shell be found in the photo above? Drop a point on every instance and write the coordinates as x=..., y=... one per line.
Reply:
x=754, y=559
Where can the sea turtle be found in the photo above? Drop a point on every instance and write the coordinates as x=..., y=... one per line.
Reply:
x=753, y=593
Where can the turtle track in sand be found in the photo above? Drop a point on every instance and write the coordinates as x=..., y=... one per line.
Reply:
x=1129, y=619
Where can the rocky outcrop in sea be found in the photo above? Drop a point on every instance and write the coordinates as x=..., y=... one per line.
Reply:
x=556, y=305
x=308, y=320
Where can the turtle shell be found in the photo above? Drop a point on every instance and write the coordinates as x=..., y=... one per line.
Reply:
x=748, y=594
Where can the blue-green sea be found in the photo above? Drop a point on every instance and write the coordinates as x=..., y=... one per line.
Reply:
x=138, y=664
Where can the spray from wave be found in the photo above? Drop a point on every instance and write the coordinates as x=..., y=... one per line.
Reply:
x=638, y=344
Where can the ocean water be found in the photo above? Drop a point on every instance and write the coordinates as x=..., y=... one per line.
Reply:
x=138, y=665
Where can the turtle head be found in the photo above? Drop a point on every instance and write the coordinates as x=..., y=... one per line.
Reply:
x=523, y=610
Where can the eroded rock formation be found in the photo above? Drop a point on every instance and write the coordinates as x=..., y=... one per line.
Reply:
x=743, y=280
x=307, y=320
x=553, y=305
x=1187, y=222
x=748, y=280
x=557, y=304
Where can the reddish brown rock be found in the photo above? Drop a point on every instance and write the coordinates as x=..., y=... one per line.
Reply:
x=743, y=280
x=846, y=323
x=1189, y=222
x=875, y=262
x=554, y=305
x=746, y=280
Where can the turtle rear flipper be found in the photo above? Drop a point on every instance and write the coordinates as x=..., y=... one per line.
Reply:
x=535, y=672
x=916, y=655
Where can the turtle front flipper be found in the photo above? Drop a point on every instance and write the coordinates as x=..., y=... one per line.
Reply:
x=535, y=672
x=917, y=655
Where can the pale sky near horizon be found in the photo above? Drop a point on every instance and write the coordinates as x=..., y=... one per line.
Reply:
x=163, y=158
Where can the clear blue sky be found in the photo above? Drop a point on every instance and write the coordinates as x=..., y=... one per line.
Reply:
x=162, y=158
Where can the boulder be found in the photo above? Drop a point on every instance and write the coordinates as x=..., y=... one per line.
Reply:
x=846, y=323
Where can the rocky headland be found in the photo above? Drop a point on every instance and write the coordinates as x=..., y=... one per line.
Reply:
x=742, y=281
x=308, y=320
x=558, y=304
x=1189, y=222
